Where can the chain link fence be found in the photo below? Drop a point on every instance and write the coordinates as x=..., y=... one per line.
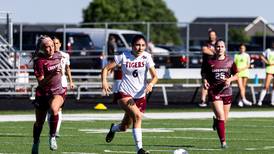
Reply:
x=176, y=45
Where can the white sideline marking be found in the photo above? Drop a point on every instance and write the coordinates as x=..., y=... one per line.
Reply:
x=269, y=147
x=161, y=115
x=197, y=149
x=194, y=149
x=77, y=153
x=148, y=130
x=264, y=148
x=251, y=149
x=207, y=138
x=111, y=151
x=255, y=126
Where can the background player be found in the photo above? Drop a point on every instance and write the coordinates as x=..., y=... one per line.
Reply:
x=66, y=73
x=242, y=61
x=208, y=50
x=268, y=58
x=218, y=73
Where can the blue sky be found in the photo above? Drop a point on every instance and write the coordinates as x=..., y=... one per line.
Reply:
x=70, y=11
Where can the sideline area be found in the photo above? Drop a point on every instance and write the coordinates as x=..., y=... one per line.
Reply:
x=159, y=115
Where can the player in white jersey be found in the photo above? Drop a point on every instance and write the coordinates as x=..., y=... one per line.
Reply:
x=133, y=88
x=268, y=58
x=66, y=72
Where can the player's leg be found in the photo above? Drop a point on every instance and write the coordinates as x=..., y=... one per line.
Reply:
x=218, y=109
x=129, y=105
x=123, y=126
x=240, y=86
x=40, y=116
x=265, y=89
x=243, y=91
x=272, y=94
x=55, y=104
x=203, y=97
x=60, y=118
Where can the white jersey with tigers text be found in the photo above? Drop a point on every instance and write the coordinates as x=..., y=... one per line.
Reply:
x=134, y=80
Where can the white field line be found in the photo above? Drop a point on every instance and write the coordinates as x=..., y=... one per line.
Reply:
x=162, y=115
x=194, y=149
x=111, y=151
x=77, y=153
x=148, y=130
x=256, y=149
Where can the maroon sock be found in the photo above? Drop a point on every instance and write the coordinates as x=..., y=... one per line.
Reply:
x=53, y=124
x=221, y=130
x=36, y=133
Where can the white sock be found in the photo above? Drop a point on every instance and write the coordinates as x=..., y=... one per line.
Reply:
x=48, y=116
x=59, y=121
x=262, y=95
x=137, y=135
x=116, y=128
x=272, y=96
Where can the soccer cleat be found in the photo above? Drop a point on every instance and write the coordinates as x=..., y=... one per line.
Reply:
x=52, y=143
x=110, y=134
x=246, y=102
x=260, y=103
x=240, y=103
x=142, y=151
x=224, y=146
x=35, y=148
x=214, y=125
x=57, y=135
x=202, y=104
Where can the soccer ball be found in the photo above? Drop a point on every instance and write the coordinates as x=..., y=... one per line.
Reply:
x=180, y=151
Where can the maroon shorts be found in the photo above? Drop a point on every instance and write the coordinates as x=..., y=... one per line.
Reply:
x=42, y=102
x=140, y=102
x=226, y=99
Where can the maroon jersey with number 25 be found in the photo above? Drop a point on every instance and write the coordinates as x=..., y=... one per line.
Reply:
x=216, y=72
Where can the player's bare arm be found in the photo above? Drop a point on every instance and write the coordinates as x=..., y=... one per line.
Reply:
x=231, y=79
x=105, y=85
x=207, y=50
x=153, y=81
x=205, y=84
x=68, y=73
x=264, y=59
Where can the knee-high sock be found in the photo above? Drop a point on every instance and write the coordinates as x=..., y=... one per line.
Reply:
x=36, y=133
x=137, y=135
x=59, y=121
x=262, y=95
x=48, y=118
x=221, y=130
x=53, y=125
x=116, y=128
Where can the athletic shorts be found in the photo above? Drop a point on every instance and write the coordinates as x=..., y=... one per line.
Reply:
x=42, y=102
x=140, y=102
x=226, y=99
x=244, y=73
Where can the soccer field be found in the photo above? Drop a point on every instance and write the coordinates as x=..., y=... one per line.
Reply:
x=244, y=135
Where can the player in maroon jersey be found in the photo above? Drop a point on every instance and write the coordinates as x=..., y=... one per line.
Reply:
x=218, y=73
x=208, y=51
x=49, y=93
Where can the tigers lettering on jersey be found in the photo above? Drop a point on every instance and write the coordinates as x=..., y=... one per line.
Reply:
x=135, y=64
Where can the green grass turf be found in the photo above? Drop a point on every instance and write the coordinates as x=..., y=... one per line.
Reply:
x=249, y=136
